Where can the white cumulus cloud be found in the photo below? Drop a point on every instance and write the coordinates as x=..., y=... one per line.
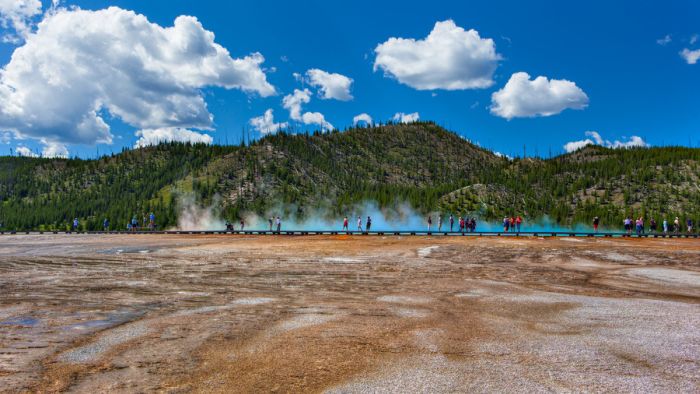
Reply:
x=25, y=152
x=363, y=117
x=330, y=85
x=522, y=97
x=406, y=118
x=691, y=57
x=53, y=149
x=596, y=139
x=633, y=141
x=573, y=146
x=82, y=65
x=150, y=137
x=316, y=118
x=499, y=154
x=265, y=123
x=294, y=102
x=448, y=58
x=17, y=14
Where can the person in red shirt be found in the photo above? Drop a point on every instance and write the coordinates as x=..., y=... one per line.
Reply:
x=345, y=224
x=461, y=224
x=518, y=222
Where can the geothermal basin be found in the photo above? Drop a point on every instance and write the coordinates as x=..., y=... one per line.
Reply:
x=348, y=314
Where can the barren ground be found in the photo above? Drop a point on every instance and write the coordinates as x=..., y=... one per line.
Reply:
x=175, y=313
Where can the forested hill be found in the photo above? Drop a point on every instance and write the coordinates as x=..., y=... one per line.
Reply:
x=420, y=164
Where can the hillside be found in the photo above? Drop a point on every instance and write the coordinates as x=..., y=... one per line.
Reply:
x=420, y=164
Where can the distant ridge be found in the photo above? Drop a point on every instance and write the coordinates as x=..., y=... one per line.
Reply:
x=420, y=164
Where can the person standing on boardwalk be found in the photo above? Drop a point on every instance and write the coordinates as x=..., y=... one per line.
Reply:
x=359, y=224
x=506, y=224
x=461, y=224
x=345, y=224
x=596, y=222
x=430, y=222
x=242, y=224
x=518, y=222
x=270, y=221
x=639, y=226
x=652, y=225
x=105, y=225
x=279, y=224
x=689, y=223
x=665, y=224
x=75, y=224
x=152, y=221
x=369, y=223
x=472, y=225
x=676, y=225
x=440, y=223
x=452, y=223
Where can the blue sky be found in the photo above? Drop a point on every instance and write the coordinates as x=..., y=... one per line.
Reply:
x=634, y=84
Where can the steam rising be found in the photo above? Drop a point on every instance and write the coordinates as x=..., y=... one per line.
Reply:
x=400, y=217
x=193, y=217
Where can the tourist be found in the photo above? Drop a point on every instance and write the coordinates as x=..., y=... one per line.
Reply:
x=105, y=225
x=665, y=224
x=152, y=221
x=128, y=226
x=279, y=224
x=440, y=223
x=628, y=225
x=452, y=223
x=473, y=225
x=639, y=226
x=506, y=224
x=242, y=224
x=676, y=225
x=270, y=221
x=518, y=221
x=75, y=224
x=461, y=224
x=369, y=223
x=596, y=222
x=689, y=223
x=430, y=222
x=652, y=225
x=359, y=224
x=345, y=224
x=134, y=223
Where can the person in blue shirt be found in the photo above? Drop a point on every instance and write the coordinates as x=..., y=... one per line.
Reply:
x=105, y=224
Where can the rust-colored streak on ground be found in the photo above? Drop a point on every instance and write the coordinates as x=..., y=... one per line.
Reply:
x=348, y=314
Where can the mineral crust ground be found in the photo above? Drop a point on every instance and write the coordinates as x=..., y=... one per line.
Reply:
x=345, y=314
